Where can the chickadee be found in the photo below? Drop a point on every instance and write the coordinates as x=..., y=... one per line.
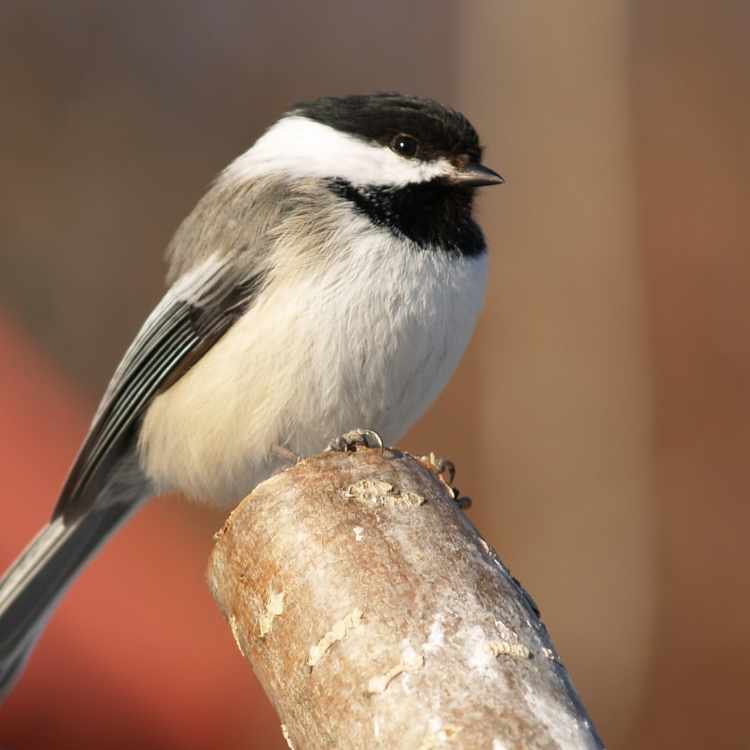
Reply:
x=330, y=279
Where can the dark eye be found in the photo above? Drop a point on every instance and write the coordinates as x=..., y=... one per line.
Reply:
x=405, y=145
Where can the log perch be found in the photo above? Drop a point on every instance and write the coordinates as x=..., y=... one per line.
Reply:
x=376, y=616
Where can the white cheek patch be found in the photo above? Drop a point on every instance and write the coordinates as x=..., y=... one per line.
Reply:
x=301, y=147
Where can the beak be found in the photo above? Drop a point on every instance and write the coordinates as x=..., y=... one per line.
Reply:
x=475, y=175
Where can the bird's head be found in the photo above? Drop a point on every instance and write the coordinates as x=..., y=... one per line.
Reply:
x=407, y=164
x=384, y=140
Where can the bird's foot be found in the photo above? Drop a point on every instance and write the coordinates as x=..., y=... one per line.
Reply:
x=445, y=470
x=350, y=441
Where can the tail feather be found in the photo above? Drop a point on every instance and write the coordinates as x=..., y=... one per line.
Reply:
x=31, y=587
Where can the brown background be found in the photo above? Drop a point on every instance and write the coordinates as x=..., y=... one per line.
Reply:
x=600, y=419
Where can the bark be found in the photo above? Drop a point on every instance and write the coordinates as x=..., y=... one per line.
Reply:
x=376, y=616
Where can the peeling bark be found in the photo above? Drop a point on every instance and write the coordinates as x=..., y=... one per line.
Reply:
x=376, y=616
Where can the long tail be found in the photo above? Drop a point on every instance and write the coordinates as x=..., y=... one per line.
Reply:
x=32, y=586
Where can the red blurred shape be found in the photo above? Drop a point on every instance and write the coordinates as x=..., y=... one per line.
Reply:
x=137, y=655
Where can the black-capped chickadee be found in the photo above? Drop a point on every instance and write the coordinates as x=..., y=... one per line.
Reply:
x=329, y=280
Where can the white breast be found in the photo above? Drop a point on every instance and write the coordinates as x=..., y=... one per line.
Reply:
x=368, y=342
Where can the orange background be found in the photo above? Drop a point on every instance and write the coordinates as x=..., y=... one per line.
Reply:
x=599, y=420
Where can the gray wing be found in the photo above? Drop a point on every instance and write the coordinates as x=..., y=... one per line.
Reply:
x=190, y=318
x=105, y=484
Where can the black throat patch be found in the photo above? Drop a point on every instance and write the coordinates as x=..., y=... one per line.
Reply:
x=432, y=215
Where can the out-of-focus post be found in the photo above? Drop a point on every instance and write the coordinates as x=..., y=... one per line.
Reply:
x=562, y=434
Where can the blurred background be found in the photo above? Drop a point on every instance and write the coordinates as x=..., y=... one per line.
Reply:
x=600, y=419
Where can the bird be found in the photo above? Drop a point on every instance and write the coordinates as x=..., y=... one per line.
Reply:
x=327, y=284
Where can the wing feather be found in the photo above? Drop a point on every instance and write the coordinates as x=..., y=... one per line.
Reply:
x=190, y=318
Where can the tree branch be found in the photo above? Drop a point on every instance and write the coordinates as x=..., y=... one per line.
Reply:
x=375, y=615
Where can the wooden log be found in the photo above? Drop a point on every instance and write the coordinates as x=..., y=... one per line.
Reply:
x=376, y=616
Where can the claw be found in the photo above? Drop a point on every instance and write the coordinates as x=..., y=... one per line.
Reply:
x=461, y=501
x=443, y=467
x=446, y=472
x=349, y=441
